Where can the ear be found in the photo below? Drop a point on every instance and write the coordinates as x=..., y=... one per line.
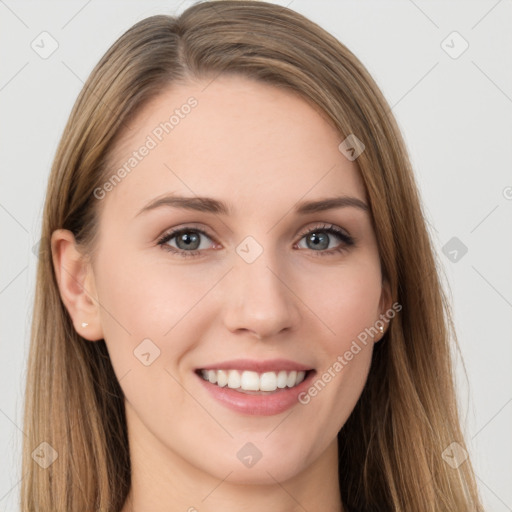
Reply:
x=385, y=305
x=75, y=279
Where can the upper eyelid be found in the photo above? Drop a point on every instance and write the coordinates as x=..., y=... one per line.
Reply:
x=323, y=226
x=189, y=227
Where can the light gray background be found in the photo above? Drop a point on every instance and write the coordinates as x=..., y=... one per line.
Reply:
x=456, y=118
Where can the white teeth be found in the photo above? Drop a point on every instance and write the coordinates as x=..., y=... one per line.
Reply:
x=268, y=381
x=292, y=377
x=253, y=381
x=282, y=379
x=250, y=381
x=233, y=379
x=212, y=376
x=222, y=378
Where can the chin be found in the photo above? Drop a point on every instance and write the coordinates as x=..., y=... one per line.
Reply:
x=267, y=465
x=262, y=473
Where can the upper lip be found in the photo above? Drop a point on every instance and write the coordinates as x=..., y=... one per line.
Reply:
x=269, y=365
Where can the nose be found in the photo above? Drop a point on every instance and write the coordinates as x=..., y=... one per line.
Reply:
x=258, y=297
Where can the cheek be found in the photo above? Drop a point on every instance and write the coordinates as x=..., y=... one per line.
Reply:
x=158, y=301
x=345, y=299
x=348, y=303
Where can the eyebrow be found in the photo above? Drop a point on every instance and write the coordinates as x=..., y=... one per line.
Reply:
x=210, y=205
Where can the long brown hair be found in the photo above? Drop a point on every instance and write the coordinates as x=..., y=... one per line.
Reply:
x=390, y=449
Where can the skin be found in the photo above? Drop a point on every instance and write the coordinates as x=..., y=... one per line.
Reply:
x=261, y=149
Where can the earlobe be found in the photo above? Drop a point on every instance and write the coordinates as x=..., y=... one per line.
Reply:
x=75, y=279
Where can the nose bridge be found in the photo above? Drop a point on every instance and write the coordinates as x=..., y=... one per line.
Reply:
x=259, y=298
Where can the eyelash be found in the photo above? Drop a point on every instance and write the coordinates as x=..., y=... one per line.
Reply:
x=347, y=240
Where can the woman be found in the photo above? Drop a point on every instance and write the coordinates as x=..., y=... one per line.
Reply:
x=237, y=303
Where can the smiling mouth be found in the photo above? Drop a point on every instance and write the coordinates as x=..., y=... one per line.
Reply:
x=251, y=382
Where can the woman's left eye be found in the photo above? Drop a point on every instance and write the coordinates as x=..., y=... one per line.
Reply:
x=188, y=240
x=319, y=239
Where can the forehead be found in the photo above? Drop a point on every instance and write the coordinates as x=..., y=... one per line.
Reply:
x=243, y=141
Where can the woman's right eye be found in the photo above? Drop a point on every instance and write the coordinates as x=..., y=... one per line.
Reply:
x=188, y=241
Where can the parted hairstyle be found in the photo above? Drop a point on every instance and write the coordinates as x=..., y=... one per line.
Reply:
x=390, y=448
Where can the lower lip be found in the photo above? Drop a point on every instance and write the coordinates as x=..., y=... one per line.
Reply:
x=258, y=405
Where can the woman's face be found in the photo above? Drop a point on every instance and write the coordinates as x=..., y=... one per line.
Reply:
x=255, y=281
